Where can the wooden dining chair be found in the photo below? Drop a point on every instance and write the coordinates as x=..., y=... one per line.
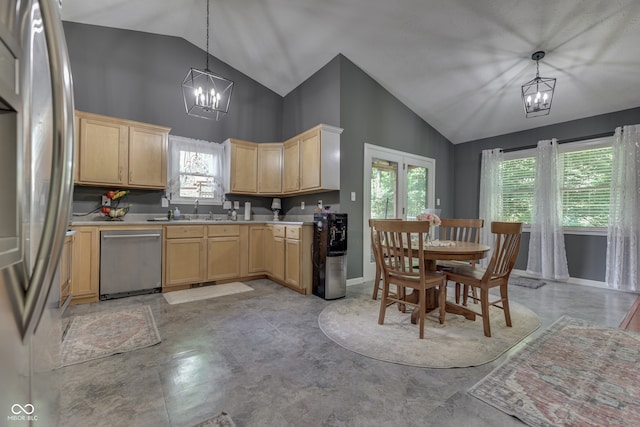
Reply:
x=400, y=246
x=374, y=241
x=460, y=230
x=505, y=252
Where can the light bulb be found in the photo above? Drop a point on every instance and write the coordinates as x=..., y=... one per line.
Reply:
x=529, y=101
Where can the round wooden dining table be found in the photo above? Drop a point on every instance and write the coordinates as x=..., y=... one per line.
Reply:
x=442, y=251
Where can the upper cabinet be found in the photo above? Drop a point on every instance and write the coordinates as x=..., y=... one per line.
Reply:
x=242, y=158
x=117, y=152
x=306, y=163
x=270, y=168
x=312, y=161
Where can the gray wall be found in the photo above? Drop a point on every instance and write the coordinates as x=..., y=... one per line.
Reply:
x=138, y=76
x=585, y=254
x=315, y=101
x=370, y=114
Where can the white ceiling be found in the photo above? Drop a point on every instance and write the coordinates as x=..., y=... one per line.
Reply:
x=458, y=64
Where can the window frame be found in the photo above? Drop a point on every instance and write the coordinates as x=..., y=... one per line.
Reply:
x=585, y=144
x=177, y=144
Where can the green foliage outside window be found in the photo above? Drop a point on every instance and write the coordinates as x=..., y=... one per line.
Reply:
x=585, y=187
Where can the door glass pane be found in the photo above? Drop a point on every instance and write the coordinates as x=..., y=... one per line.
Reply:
x=417, y=185
x=384, y=185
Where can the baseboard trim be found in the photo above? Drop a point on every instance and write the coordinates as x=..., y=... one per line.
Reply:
x=572, y=280
x=355, y=281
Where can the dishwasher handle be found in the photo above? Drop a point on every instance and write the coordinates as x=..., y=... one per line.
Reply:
x=129, y=236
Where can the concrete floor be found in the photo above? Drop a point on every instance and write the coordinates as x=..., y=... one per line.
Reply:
x=261, y=357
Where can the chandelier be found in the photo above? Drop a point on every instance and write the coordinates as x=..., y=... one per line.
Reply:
x=537, y=94
x=206, y=95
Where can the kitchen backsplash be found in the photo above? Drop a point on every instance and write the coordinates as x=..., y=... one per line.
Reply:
x=87, y=200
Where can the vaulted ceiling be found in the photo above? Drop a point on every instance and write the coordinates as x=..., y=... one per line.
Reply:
x=458, y=64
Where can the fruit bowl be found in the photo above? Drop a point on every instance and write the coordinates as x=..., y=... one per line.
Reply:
x=116, y=213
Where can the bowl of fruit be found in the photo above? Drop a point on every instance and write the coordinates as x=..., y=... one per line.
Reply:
x=115, y=211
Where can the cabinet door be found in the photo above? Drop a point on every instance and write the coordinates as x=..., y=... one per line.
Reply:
x=291, y=174
x=147, y=157
x=277, y=267
x=185, y=261
x=270, y=168
x=292, y=262
x=257, y=263
x=102, y=151
x=223, y=258
x=310, y=161
x=268, y=249
x=244, y=167
x=64, y=269
x=86, y=266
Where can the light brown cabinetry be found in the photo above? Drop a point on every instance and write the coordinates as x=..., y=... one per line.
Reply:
x=243, y=166
x=291, y=256
x=85, y=285
x=184, y=256
x=223, y=252
x=270, y=168
x=306, y=163
x=291, y=166
x=278, y=252
x=65, y=267
x=117, y=152
x=312, y=161
x=257, y=249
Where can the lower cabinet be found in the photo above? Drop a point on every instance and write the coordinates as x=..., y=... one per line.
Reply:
x=65, y=266
x=184, y=261
x=257, y=250
x=85, y=286
x=196, y=254
x=223, y=252
x=291, y=256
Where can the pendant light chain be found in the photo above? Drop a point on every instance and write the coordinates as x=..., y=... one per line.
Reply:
x=207, y=67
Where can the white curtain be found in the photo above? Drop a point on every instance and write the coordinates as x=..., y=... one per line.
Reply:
x=547, y=255
x=623, y=235
x=490, y=208
x=194, y=163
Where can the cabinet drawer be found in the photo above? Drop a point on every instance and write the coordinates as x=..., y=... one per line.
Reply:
x=223, y=230
x=278, y=231
x=293, y=233
x=183, y=231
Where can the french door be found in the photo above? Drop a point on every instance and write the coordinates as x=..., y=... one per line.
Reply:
x=396, y=185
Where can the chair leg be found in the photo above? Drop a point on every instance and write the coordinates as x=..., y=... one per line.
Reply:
x=504, y=295
x=474, y=293
x=465, y=294
x=458, y=293
x=376, y=284
x=443, y=299
x=383, y=302
x=484, y=303
x=422, y=308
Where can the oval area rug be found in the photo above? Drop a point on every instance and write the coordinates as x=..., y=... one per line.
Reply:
x=353, y=324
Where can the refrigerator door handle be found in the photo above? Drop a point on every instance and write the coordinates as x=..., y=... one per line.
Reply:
x=61, y=184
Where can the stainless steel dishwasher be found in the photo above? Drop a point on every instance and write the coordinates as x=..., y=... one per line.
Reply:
x=130, y=262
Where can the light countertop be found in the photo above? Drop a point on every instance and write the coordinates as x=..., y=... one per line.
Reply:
x=157, y=219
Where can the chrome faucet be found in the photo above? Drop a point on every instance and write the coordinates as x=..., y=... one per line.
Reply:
x=195, y=209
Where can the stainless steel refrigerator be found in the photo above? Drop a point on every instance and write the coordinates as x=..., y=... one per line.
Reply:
x=36, y=162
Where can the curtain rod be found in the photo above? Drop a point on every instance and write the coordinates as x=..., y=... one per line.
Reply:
x=561, y=141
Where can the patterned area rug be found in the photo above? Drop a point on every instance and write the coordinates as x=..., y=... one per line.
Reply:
x=102, y=334
x=353, y=324
x=221, y=420
x=574, y=374
x=526, y=282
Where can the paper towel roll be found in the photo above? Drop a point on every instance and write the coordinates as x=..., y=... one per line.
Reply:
x=247, y=211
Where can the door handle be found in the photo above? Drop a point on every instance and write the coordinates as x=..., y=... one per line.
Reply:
x=61, y=184
x=129, y=236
